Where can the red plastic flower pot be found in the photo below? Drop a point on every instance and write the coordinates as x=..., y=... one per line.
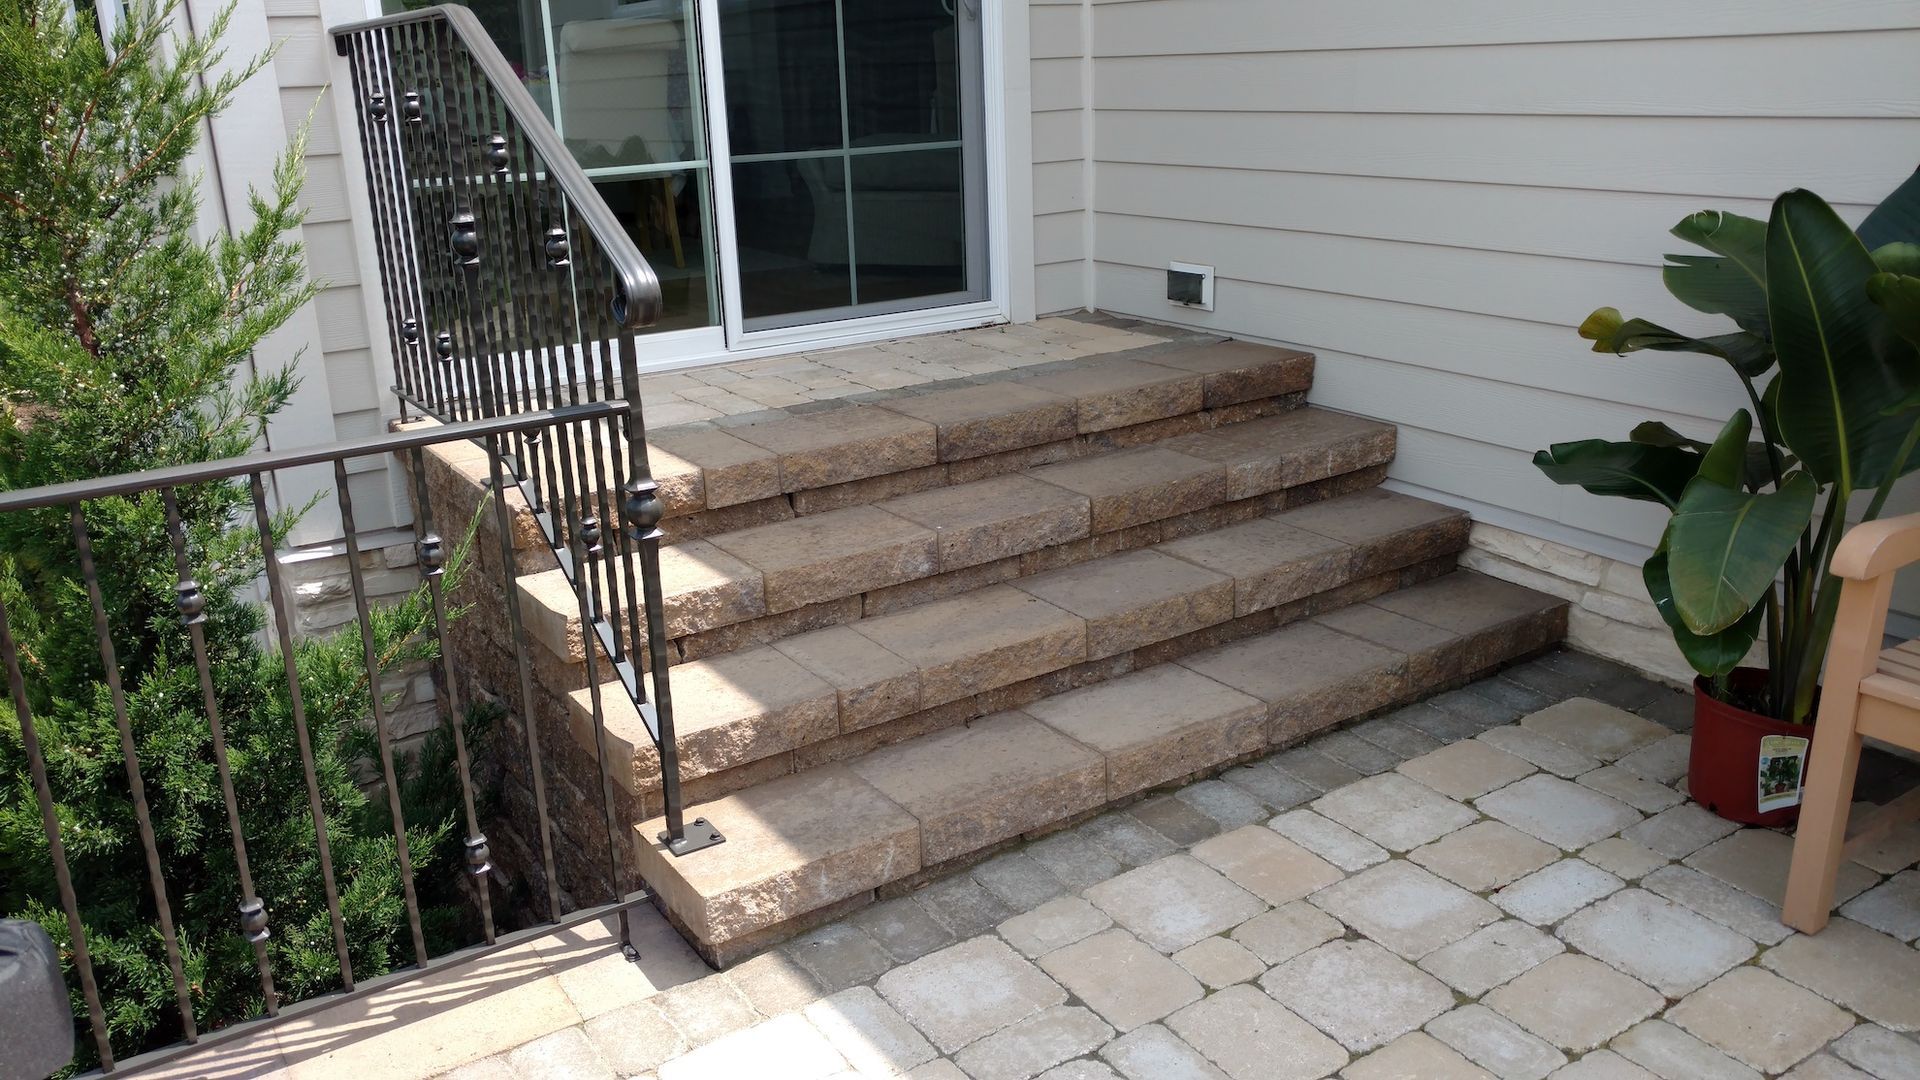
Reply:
x=1725, y=772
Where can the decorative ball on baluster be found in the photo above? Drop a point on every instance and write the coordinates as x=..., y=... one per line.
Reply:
x=640, y=504
x=496, y=152
x=378, y=106
x=559, y=251
x=410, y=330
x=410, y=106
x=191, y=602
x=443, y=345
x=479, y=856
x=590, y=534
x=253, y=919
x=432, y=554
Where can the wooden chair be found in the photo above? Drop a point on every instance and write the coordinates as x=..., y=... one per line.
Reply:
x=1867, y=691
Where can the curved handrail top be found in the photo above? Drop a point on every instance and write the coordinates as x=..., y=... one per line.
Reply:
x=1873, y=548
x=636, y=287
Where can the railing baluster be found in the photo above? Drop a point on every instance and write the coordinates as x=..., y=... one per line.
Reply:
x=110, y=663
x=296, y=705
x=56, y=849
x=523, y=667
x=376, y=696
x=192, y=604
x=432, y=560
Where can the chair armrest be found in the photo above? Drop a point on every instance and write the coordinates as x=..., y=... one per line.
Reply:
x=1875, y=548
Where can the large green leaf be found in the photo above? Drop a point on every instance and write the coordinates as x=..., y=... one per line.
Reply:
x=1709, y=654
x=1749, y=354
x=1899, y=296
x=1840, y=364
x=1759, y=465
x=1734, y=283
x=1898, y=258
x=1725, y=461
x=1629, y=470
x=1725, y=547
x=1896, y=218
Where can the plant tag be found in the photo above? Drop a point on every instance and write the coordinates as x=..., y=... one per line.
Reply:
x=1783, y=766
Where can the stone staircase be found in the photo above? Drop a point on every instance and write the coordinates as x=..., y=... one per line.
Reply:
x=911, y=630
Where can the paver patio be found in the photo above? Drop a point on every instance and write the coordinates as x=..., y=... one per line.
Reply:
x=1479, y=908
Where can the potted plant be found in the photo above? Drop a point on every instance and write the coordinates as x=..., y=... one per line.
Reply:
x=1827, y=324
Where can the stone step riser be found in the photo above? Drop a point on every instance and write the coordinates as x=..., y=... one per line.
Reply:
x=755, y=586
x=793, y=706
x=895, y=814
x=720, y=479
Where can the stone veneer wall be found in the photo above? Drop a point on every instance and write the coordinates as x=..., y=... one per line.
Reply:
x=1610, y=616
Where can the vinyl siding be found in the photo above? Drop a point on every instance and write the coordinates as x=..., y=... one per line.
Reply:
x=1057, y=44
x=1431, y=196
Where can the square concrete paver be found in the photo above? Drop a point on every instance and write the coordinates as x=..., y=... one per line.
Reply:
x=1393, y=811
x=1267, y=864
x=1174, y=902
x=1656, y=941
x=1603, y=1065
x=968, y=991
x=1862, y=969
x=1122, y=979
x=1496, y=1043
x=1415, y=1056
x=1154, y=1053
x=1636, y=791
x=1756, y=861
x=1672, y=1054
x=1558, y=811
x=1623, y=858
x=1251, y=1037
x=1358, y=992
x=1054, y=925
x=1218, y=962
x=1034, y=1045
x=1681, y=831
x=1406, y=908
x=869, y=1033
x=1287, y=931
x=1466, y=769
x=1575, y=1002
x=1760, y=1018
x=1881, y=1052
x=787, y=1046
x=1893, y=908
x=1485, y=855
x=1552, y=894
x=1738, y=911
x=1491, y=955
x=1550, y=754
x=1330, y=840
x=1595, y=728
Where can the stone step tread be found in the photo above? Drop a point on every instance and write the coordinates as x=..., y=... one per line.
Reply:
x=748, y=705
x=709, y=468
x=769, y=569
x=1017, y=772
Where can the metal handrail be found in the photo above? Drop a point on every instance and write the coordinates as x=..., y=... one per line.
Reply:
x=637, y=288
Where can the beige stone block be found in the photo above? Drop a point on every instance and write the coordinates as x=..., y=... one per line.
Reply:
x=633, y=762
x=828, y=556
x=743, y=706
x=1358, y=992
x=968, y=991
x=938, y=587
x=1271, y=563
x=1238, y=371
x=1267, y=864
x=979, y=641
x=1756, y=861
x=1122, y=979
x=998, y=777
x=975, y=421
x=1136, y=598
x=872, y=489
x=1251, y=1037
x=1575, y=1002
x=1157, y=725
x=703, y=587
x=1466, y=769
x=732, y=471
x=1309, y=675
x=1760, y=1018
x=1116, y=393
x=793, y=846
x=1595, y=728
x=839, y=445
x=990, y=520
x=1544, y=555
x=873, y=684
x=1393, y=811
x=1485, y=856
x=1415, y=1056
x=1288, y=450
x=1132, y=487
x=1172, y=903
x=1387, y=530
x=1433, y=656
x=1862, y=969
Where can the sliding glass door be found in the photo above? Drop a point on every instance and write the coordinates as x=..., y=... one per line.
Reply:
x=849, y=135
x=852, y=131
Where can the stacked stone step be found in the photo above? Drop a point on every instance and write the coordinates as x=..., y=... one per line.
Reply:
x=906, y=632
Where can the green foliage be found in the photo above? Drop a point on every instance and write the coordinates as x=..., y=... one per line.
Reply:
x=1826, y=351
x=125, y=345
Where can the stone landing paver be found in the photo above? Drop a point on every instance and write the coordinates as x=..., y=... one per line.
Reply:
x=1531, y=924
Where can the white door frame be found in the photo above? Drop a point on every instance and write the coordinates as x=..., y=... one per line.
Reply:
x=708, y=345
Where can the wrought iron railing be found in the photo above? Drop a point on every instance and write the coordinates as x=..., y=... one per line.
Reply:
x=164, y=490
x=509, y=285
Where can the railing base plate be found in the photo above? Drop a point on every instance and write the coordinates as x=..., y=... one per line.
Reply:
x=698, y=834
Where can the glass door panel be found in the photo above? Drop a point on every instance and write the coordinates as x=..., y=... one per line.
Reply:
x=853, y=130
